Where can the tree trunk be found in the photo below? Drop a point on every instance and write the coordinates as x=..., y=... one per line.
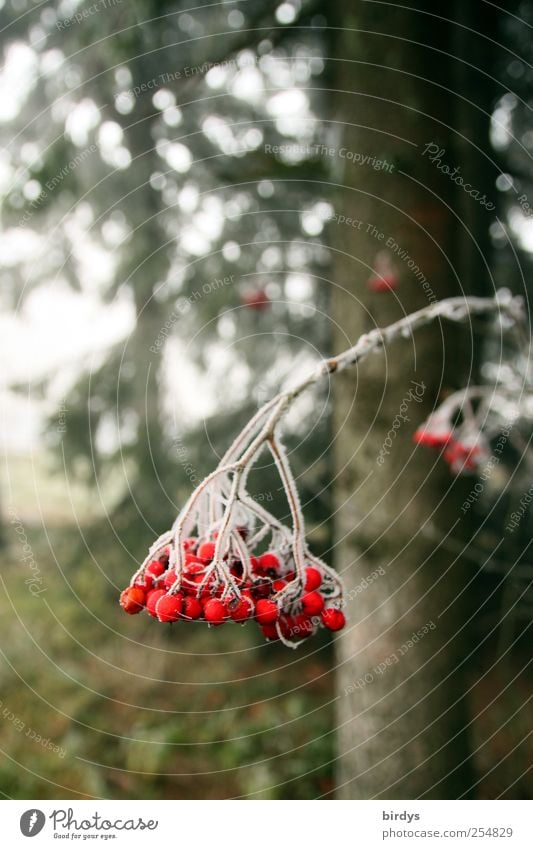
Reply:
x=401, y=715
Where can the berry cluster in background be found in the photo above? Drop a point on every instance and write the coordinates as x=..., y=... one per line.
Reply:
x=267, y=593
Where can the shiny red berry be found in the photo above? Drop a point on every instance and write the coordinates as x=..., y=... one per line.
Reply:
x=192, y=560
x=155, y=568
x=269, y=560
x=296, y=627
x=313, y=579
x=215, y=611
x=270, y=632
x=168, y=607
x=145, y=582
x=266, y=611
x=303, y=627
x=312, y=604
x=132, y=599
x=206, y=551
x=169, y=579
x=241, y=609
x=192, y=609
x=191, y=583
x=151, y=600
x=333, y=619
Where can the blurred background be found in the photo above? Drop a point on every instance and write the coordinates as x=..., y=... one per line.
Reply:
x=196, y=205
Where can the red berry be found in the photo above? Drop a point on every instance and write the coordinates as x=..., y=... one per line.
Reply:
x=151, y=600
x=241, y=609
x=191, y=582
x=155, y=568
x=215, y=611
x=278, y=585
x=168, y=607
x=303, y=627
x=189, y=544
x=206, y=551
x=169, y=579
x=145, y=582
x=270, y=632
x=255, y=300
x=192, y=560
x=269, y=560
x=461, y=456
x=266, y=611
x=286, y=624
x=194, y=569
x=433, y=438
x=296, y=627
x=313, y=579
x=382, y=282
x=132, y=599
x=192, y=609
x=312, y=603
x=333, y=619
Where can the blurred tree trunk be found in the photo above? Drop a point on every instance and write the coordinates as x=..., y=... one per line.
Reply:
x=149, y=505
x=403, y=728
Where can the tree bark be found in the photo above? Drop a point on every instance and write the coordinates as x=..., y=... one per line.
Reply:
x=402, y=724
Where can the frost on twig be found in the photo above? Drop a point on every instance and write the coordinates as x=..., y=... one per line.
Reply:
x=227, y=558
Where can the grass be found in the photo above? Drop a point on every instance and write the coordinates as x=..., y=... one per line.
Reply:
x=99, y=704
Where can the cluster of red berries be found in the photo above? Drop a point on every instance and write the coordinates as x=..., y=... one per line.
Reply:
x=462, y=455
x=259, y=596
